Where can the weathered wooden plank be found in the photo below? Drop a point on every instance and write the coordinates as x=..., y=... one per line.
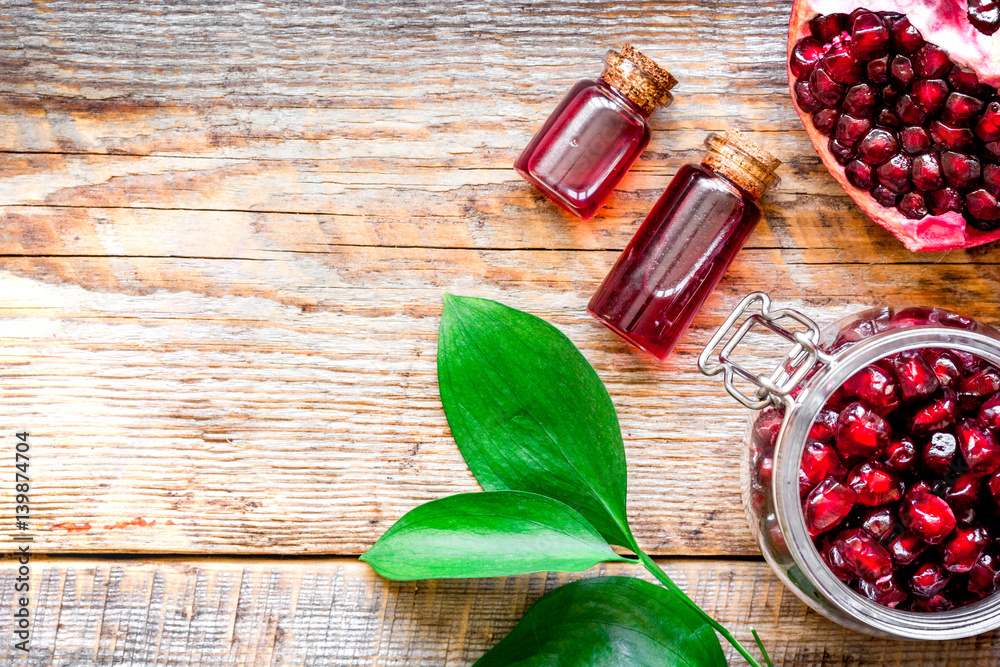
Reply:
x=338, y=612
x=291, y=402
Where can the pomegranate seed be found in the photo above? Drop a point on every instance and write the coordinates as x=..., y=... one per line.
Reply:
x=877, y=146
x=931, y=62
x=993, y=148
x=929, y=517
x=824, y=88
x=952, y=138
x=939, y=414
x=913, y=205
x=965, y=81
x=958, y=169
x=861, y=431
x=827, y=505
x=984, y=16
x=973, y=389
x=765, y=471
x=859, y=101
x=876, y=387
x=860, y=175
x=915, y=376
x=926, y=173
x=900, y=71
x=991, y=179
x=875, y=484
x=824, y=428
x=989, y=415
x=947, y=318
x=959, y=108
x=961, y=551
x=944, y=200
x=864, y=555
x=928, y=579
x=909, y=111
x=878, y=70
x=930, y=94
x=844, y=154
x=819, y=461
x=884, y=196
x=878, y=522
x=914, y=140
x=826, y=27
x=984, y=577
x=888, y=119
x=905, y=38
x=982, y=205
x=938, y=452
x=933, y=604
x=825, y=120
x=804, y=97
x=851, y=129
x=840, y=64
x=906, y=547
x=869, y=36
x=885, y=591
x=988, y=126
x=980, y=450
x=767, y=426
x=804, y=56
x=895, y=174
x=900, y=454
x=963, y=493
x=994, y=485
x=832, y=552
x=945, y=365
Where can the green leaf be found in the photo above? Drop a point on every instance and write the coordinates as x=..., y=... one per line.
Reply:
x=529, y=413
x=489, y=534
x=612, y=622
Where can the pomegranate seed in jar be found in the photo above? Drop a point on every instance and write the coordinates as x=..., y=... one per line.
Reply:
x=938, y=453
x=980, y=450
x=929, y=517
x=963, y=548
x=876, y=387
x=928, y=579
x=937, y=415
x=901, y=454
x=878, y=522
x=916, y=377
x=875, y=484
x=861, y=431
x=864, y=555
x=827, y=505
x=905, y=548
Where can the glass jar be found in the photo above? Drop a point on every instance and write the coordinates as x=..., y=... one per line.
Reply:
x=818, y=364
x=597, y=132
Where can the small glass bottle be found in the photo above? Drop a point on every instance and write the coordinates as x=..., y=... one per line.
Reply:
x=685, y=244
x=596, y=133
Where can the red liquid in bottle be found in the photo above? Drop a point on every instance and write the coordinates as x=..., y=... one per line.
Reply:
x=585, y=147
x=676, y=259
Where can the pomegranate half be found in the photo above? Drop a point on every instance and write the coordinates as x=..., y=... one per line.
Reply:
x=899, y=97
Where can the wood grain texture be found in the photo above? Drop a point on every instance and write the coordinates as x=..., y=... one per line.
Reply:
x=247, y=612
x=225, y=230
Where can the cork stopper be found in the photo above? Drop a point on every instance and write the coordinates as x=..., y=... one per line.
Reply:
x=742, y=161
x=637, y=77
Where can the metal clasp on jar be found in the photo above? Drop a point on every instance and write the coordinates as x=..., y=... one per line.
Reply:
x=773, y=389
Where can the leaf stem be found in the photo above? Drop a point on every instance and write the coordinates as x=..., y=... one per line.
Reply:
x=662, y=577
x=760, y=645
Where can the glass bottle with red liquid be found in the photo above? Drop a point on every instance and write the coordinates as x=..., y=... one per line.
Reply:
x=597, y=132
x=685, y=244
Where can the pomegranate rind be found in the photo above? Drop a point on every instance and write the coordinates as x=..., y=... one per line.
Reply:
x=980, y=52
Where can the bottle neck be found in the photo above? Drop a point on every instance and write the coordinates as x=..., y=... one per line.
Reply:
x=638, y=79
x=741, y=162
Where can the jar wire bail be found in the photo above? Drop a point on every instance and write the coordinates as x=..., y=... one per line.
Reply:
x=791, y=370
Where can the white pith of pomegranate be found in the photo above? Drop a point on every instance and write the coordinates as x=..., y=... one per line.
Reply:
x=921, y=148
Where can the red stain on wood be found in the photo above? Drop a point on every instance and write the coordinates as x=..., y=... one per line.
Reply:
x=137, y=522
x=70, y=527
x=170, y=523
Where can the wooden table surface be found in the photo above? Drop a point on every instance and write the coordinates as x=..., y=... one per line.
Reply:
x=225, y=232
